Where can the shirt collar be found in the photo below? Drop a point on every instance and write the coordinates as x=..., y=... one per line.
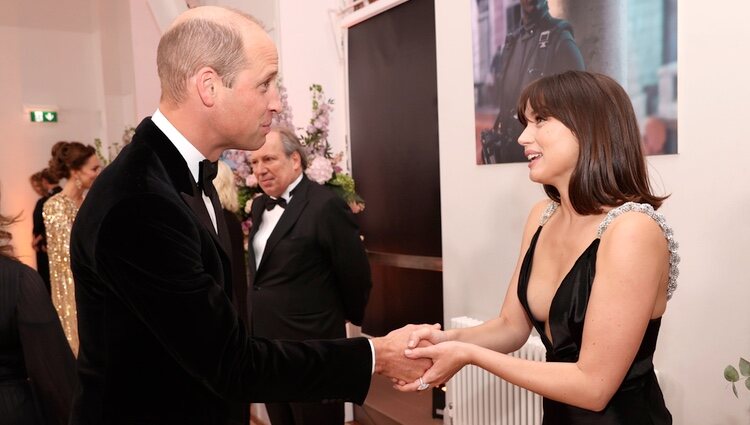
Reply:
x=190, y=154
x=289, y=189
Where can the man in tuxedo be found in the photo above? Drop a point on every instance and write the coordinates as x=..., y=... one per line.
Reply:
x=160, y=340
x=309, y=272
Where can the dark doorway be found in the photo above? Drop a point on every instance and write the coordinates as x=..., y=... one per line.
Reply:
x=394, y=143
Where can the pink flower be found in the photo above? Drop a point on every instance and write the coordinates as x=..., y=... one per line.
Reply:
x=251, y=181
x=246, y=225
x=319, y=170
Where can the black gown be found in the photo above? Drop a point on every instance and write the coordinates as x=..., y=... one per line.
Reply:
x=639, y=399
x=37, y=368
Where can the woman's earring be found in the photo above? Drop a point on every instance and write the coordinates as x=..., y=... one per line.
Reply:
x=79, y=183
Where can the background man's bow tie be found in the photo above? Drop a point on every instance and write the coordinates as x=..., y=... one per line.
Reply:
x=270, y=203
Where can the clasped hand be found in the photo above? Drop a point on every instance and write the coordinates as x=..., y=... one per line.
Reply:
x=446, y=358
x=390, y=360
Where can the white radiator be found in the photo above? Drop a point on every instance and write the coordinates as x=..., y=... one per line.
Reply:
x=477, y=397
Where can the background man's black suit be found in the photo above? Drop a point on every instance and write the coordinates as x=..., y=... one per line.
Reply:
x=314, y=274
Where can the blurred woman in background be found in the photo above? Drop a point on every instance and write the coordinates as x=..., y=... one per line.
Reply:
x=79, y=165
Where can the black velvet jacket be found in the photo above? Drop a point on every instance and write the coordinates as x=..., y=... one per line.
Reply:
x=160, y=340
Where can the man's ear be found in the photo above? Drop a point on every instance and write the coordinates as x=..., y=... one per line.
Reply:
x=207, y=83
x=297, y=160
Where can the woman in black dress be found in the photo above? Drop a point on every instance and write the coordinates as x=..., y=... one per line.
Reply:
x=37, y=368
x=596, y=269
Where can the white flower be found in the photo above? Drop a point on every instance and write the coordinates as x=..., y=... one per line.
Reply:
x=319, y=170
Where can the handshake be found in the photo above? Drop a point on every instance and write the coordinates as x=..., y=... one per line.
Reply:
x=417, y=357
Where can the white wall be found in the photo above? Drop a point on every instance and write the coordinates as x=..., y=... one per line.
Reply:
x=308, y=54
x=707, y=324
x=117, y=68
x=142, y=39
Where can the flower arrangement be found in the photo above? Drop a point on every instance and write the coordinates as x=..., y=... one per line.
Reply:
x=323, y=166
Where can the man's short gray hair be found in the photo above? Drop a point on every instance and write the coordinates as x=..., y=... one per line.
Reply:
x=290, y=143
x=193, y=44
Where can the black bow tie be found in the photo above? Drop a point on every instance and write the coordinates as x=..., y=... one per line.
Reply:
x=271, y=203
x=206, y=174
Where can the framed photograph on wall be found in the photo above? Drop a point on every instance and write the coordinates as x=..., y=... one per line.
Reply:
x=518, y=41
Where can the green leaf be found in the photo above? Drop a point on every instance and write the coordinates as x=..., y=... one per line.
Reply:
x=744, y=367
x=747, y=383
x=735, y=390
x=731, y=375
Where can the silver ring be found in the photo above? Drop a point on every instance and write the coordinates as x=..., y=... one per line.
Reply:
x=422, y=385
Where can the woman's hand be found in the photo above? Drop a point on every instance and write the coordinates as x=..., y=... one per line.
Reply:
x=447, y=359
x=431, y=334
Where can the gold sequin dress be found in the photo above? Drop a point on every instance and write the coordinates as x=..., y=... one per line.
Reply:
x=59, y=213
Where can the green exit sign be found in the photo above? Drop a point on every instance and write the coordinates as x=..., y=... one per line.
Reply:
x=43, y=116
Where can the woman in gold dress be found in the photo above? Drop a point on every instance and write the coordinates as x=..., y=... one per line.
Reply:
x=79, y=165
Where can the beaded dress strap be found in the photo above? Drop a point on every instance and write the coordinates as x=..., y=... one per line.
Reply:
x=674, y=258
x=551, y=208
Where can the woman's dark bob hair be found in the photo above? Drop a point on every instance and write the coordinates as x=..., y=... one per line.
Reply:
x=611, y=168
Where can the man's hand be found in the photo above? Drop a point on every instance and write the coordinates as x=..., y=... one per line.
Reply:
x=390, y=359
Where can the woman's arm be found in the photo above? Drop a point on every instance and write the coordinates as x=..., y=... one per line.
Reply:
x=510, y=330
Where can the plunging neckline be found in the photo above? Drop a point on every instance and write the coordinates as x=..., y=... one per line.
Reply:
x=566, y=278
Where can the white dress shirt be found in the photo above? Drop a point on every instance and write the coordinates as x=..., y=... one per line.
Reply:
x=269, y=221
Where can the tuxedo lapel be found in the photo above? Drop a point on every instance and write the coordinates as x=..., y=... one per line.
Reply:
x=288, y=218
x=195, y=202
x=221, y=225
x=179, y=174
